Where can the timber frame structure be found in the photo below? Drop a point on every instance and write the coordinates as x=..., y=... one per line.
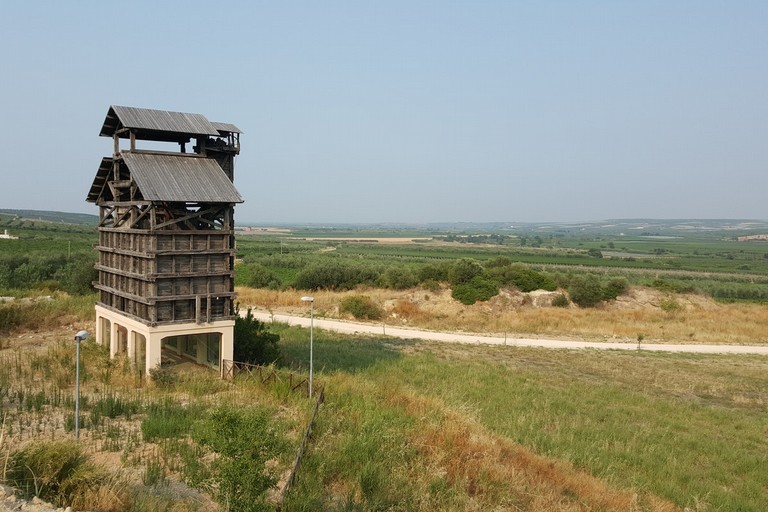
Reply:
x=166, y=238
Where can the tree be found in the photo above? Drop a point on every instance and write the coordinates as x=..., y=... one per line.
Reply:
x=464, y=270
x=586, y=291
x=245, y=440
x=523, y=277
x=261, y=277
x=78, y=275
x=479, y=288
x=253, y=342
x=399, y=278
x=595, y=252
x=614, y=288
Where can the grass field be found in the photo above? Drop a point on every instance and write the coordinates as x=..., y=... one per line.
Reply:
x=419, y=426
x=422, y=426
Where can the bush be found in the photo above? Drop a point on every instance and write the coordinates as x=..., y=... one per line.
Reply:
x=560, y=301
x=56, y=471
x=434, y=273
x=335, y=275
x=244, y=441
x=399, y=278
x=586, y=291
x=261, y=277
x=478, y=289
x=464, y=271
x=670, y=305
x=78, y=275
x=361, y=307
x=253, y=342
x=665, y=285
x=523, y=277
x=614, y=288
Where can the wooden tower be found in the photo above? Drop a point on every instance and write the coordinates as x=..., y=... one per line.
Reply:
x=166, y=237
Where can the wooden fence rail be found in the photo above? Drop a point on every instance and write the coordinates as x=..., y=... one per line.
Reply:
x=265, y=374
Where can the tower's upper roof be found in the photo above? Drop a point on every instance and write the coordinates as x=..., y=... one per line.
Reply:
x=160, y=125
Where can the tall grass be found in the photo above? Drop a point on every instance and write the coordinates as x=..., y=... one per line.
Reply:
x=475, y=428
x=46, y=313
x=139, y=428
x=695, y=320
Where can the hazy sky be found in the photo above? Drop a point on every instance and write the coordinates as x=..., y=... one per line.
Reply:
x=407, y=111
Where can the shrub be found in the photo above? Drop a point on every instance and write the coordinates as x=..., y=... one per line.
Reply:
x=670, y=305
x=614, y=288
x=560, y=301
x=361, y=307
x=335, y=275
x=163, y=377
x=261, y=277
x=55, y=471
x=478, y=289
x=399, y=278
x=523, y=277
x=253, y=342
x=665, y=285
x=434, y=273
x=464, y=271
x=78, y=275
x=586, y=291
x=244, y=441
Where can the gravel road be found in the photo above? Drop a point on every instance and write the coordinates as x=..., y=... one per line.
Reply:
x=452, y=337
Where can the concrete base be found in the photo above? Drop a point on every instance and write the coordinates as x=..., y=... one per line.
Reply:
x=144, y=344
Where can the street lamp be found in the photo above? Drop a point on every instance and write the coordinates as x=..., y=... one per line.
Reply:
x=311, y=301
x=80, y=336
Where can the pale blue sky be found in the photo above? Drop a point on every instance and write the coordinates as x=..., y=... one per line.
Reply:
x=407, y=111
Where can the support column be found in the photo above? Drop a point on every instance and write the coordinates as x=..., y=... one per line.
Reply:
x=227, y=348
x=131, y=348
x=154, y=351
x=113, y=341
x=99, y=329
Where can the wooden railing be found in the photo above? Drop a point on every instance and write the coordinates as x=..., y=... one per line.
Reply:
x=266, y=374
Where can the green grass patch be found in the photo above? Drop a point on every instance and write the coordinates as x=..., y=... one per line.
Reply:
x=687, y=428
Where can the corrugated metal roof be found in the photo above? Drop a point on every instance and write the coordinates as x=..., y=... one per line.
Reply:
x=180, y=178
x=226, y=127
x=150, y=121
x=101, y=178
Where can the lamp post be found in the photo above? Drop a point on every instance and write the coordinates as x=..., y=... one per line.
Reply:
x=80, y=336
x=311, y=301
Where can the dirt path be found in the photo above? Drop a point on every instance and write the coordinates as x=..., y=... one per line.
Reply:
x=450, y=337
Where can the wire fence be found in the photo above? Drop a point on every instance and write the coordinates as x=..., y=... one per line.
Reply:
x=296, y=382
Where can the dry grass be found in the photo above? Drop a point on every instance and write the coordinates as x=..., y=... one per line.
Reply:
x=695, y=319
x=500, y=474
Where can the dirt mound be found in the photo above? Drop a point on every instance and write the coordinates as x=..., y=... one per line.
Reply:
x=649, y=298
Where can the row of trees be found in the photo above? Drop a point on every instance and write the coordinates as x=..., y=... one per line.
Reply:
x=469, y=279
x=73, y=275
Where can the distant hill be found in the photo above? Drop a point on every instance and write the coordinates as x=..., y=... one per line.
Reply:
x=83, y=219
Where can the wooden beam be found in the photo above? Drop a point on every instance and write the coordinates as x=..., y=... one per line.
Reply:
x=185, y=218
